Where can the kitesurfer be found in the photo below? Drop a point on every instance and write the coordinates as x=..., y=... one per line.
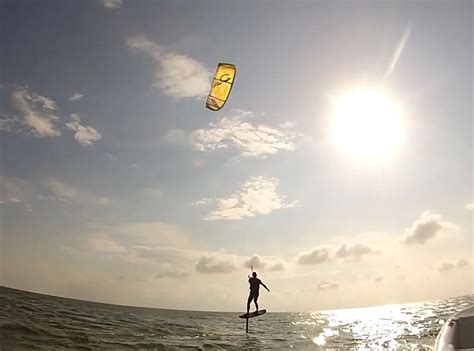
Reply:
x=254, y=290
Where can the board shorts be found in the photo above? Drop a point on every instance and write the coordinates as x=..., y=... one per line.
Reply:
x=253, y=295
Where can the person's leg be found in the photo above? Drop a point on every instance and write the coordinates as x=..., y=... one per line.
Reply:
x=249, y=300
x=255, y=300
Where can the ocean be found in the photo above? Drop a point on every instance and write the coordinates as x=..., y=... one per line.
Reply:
x=30, y=321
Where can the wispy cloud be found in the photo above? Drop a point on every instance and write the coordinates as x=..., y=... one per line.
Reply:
x=10, y=200
x=112, y=4
x=10, y=123
x=378, y=279
x=176, y=75
x=398, y=51
x=36, y=112
x=327, y=285
x=105, y=245
x=64, y=192
x=258, y=196
x=111, y=156
x=85, y=135
x=14, y=191
x=38, y=115
x=76, y=97
x=470, y=206
x=153, y=234
x=177, y=136
x=425, y=228
x=171, y=273
x=249, y=140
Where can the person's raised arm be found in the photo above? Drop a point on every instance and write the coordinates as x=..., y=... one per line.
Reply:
x=264, y=286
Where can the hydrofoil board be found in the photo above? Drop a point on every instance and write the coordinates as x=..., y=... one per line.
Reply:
x=253, y=314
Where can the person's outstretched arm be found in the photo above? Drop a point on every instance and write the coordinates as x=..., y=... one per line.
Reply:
x=265, y=286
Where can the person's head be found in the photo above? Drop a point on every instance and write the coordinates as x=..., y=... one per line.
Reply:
x=254, y=274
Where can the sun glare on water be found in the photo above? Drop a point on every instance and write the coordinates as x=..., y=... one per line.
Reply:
x=366, y=124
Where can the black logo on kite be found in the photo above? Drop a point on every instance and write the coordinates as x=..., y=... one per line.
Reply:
x=225, y=80
x=213, y=102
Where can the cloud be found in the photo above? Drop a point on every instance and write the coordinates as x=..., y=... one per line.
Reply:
x=36, y=112
x=318, y=255
x=163, y=248
x=470, y=206
x=378, y=279
x=106, y=246
x=176, y=136
x=446, y=267
x=203, y=202
x=327, y=285
x=287, y=125
x=323, y=254
x=85, y=135
x=10, y=200
x=355, y=251
x=176, y=75
x=272, y=264
x=153, y=193
x=212, y=264
x=155, y=234
x=163, y=254
x=14, y=191
x=64, y=192
x=10, y=123
x=112, y=4
x=48, y=103
x=250, y=140
x=171, y=274
x=258, y=196
x=111, y=156
x=398, y=51
x=424, y=229
x=277, y=267
x=76, y=97
x=15, y=201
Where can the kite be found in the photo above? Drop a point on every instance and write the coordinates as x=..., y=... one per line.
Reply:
x=221, y=86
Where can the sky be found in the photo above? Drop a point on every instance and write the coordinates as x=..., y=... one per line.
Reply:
x=340, y=168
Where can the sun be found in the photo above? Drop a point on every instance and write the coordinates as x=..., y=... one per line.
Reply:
x=366, y=124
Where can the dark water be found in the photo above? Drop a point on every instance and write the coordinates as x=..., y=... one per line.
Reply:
x=32, y=321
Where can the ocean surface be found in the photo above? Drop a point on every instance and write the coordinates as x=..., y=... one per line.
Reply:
x=31, y=321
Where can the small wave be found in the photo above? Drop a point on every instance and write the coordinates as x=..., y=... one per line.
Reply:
x=19, y=328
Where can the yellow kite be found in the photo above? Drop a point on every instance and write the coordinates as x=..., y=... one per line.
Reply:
x=221, y=86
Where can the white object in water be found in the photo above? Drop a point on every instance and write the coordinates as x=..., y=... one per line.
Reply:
x=458, y=332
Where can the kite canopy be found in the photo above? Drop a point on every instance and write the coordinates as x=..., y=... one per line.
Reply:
x=221, y=86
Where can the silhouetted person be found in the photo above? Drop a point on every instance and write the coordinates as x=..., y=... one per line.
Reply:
x=254, y=289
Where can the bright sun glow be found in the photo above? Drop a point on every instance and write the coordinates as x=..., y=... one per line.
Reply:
x=367, y=125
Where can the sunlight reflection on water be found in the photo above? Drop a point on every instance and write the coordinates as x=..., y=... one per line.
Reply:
x=394, y=327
